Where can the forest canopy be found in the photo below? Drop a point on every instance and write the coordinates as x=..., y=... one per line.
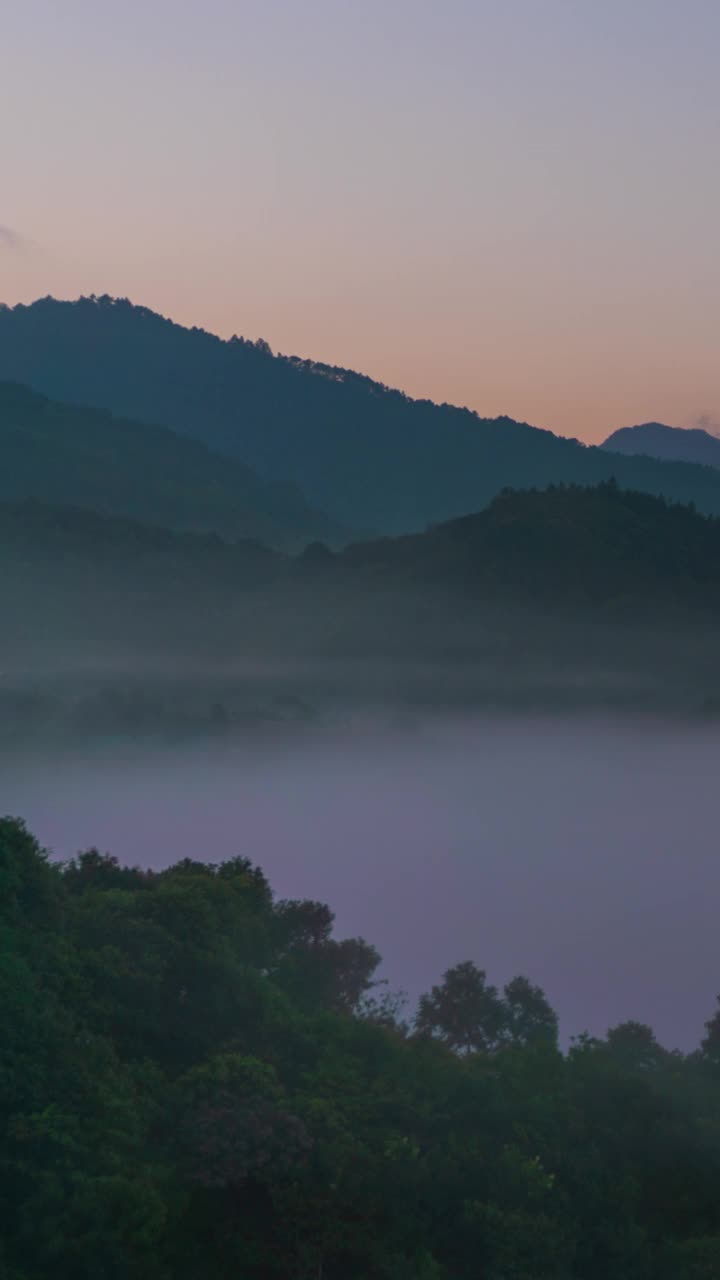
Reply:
x=200, y=1080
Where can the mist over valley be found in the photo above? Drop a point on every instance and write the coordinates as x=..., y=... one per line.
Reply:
x=347, y=799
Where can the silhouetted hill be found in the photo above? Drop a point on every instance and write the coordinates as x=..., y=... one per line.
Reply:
x=370, y=456
x=560, y=598
x=564, y=546
x=671, y=444
x=567, y=544
x=68, y=537
x=568, y=552
x=79, y=586
x=67, y=454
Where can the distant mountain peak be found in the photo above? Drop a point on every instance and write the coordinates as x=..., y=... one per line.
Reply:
x=671, y=444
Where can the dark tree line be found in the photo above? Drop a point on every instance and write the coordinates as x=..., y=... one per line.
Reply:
x=199, y=1082
x=606, y=551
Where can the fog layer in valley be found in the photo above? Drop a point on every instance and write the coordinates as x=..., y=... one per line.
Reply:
x=579, y=850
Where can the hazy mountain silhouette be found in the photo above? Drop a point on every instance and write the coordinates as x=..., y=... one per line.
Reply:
x=68, y=454
x=672, y=444
x=569, y=547
x=43, y=532
x=370, y=456
x=559, y=599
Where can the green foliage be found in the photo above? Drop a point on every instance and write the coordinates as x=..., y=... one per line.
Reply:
x=199, y=1083
x=464, y=1012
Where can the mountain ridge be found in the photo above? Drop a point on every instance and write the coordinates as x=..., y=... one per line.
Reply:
x=669, y=444
x=585, y=545
x=70, y=454
x=369, y=455
x=555, y=599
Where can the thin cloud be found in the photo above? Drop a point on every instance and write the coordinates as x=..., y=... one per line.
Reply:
x=707, y=422
x=11, y=240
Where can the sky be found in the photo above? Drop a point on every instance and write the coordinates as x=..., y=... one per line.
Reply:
x=535, y=846
x=508, y=204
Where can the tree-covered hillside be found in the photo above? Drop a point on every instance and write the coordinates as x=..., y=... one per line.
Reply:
x=559, y=599
x=600, y=548
x=72, y=455
x=199, y=1082
x=371, y=457
x=589, y=550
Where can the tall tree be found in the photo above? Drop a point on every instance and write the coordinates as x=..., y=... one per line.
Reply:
x=464, y=1011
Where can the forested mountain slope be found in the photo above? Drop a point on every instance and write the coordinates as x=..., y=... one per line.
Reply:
x=68, y=454
x=567, y=597
x=371, y=457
